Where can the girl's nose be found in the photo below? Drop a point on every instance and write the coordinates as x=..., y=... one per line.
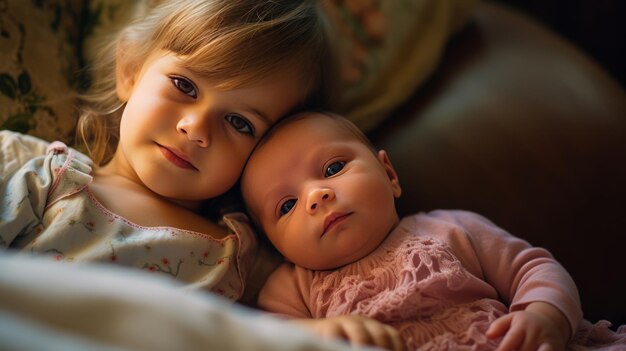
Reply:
x=195, y=129
x=317, y=198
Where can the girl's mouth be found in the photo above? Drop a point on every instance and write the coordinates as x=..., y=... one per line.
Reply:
x=178, y=159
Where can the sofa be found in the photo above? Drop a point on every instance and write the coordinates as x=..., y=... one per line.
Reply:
x=500, y=116
x=521, y=126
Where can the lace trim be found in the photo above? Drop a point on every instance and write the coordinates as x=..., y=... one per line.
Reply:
x=427, y=272
x=459, y=327
x=409, y=282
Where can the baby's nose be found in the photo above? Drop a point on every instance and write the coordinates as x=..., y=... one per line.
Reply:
x=317, y=198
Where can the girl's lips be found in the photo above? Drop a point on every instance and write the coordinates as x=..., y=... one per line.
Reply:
x=176, y=158
x=334, y=219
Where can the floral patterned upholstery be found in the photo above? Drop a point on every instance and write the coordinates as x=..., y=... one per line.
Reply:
x=38, y=65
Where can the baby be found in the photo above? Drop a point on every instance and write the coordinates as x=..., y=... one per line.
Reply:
x=444, y=280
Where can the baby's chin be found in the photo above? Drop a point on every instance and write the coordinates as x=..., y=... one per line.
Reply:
x=334, y=262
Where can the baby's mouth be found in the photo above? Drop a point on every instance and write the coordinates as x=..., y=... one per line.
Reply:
x=334, y=219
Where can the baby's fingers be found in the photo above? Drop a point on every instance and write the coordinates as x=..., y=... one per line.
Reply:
x=513, y=339
x=499, y=327
x=371, y=332
x=357, y=333
x=385, y=336
x=397, y=344
x=545, y=347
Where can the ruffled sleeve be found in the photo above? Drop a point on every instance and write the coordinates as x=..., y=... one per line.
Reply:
x=16, y=149
x=30, y=168
x=24, y=186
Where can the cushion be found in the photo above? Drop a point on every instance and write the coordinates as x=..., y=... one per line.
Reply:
x=388, y=48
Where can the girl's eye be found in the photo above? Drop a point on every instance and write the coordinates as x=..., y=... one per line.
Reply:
x=334, y=168
x=287, y=206
x=185, y=86
x=240, y=124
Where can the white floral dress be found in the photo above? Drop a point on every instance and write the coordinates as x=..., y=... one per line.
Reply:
x=46, y=207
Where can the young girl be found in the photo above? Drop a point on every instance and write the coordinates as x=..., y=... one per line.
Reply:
x=447, y=280
x=182, y=96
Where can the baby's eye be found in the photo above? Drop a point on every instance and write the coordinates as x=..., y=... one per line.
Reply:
x=334, y=168
x=287, y=206
x=185, y=86
x=240, y=124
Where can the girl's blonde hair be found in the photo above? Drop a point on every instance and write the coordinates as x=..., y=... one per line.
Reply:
x=233, y=42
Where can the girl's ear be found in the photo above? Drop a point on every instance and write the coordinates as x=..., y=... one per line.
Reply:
x=126, y=70
x=391, y=173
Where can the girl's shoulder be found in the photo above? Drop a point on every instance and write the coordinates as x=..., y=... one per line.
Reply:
x=70, y=171
x=36, y=163
x=17, y=149
x=11, y=137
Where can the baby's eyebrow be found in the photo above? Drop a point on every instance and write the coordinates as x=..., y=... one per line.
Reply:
x=265, y=201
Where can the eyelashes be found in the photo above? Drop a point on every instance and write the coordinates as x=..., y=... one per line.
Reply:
x=286, y=207
x=240, y=124
x=334, y=168
x=185, y=86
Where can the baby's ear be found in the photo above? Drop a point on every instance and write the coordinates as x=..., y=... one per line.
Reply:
x=391, y=172
x=126, y=69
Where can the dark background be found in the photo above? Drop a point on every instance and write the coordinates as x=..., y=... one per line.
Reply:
x=598, y=27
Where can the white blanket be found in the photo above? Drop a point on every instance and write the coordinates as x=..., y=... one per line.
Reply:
x=46, y=305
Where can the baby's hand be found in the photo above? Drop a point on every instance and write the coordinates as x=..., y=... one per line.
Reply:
x=357, y=330
x=540, y=326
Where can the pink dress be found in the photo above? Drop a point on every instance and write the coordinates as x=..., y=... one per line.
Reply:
x=441, y=278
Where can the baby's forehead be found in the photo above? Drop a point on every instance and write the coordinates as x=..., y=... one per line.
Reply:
x=293, y=136
x=318, y=125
